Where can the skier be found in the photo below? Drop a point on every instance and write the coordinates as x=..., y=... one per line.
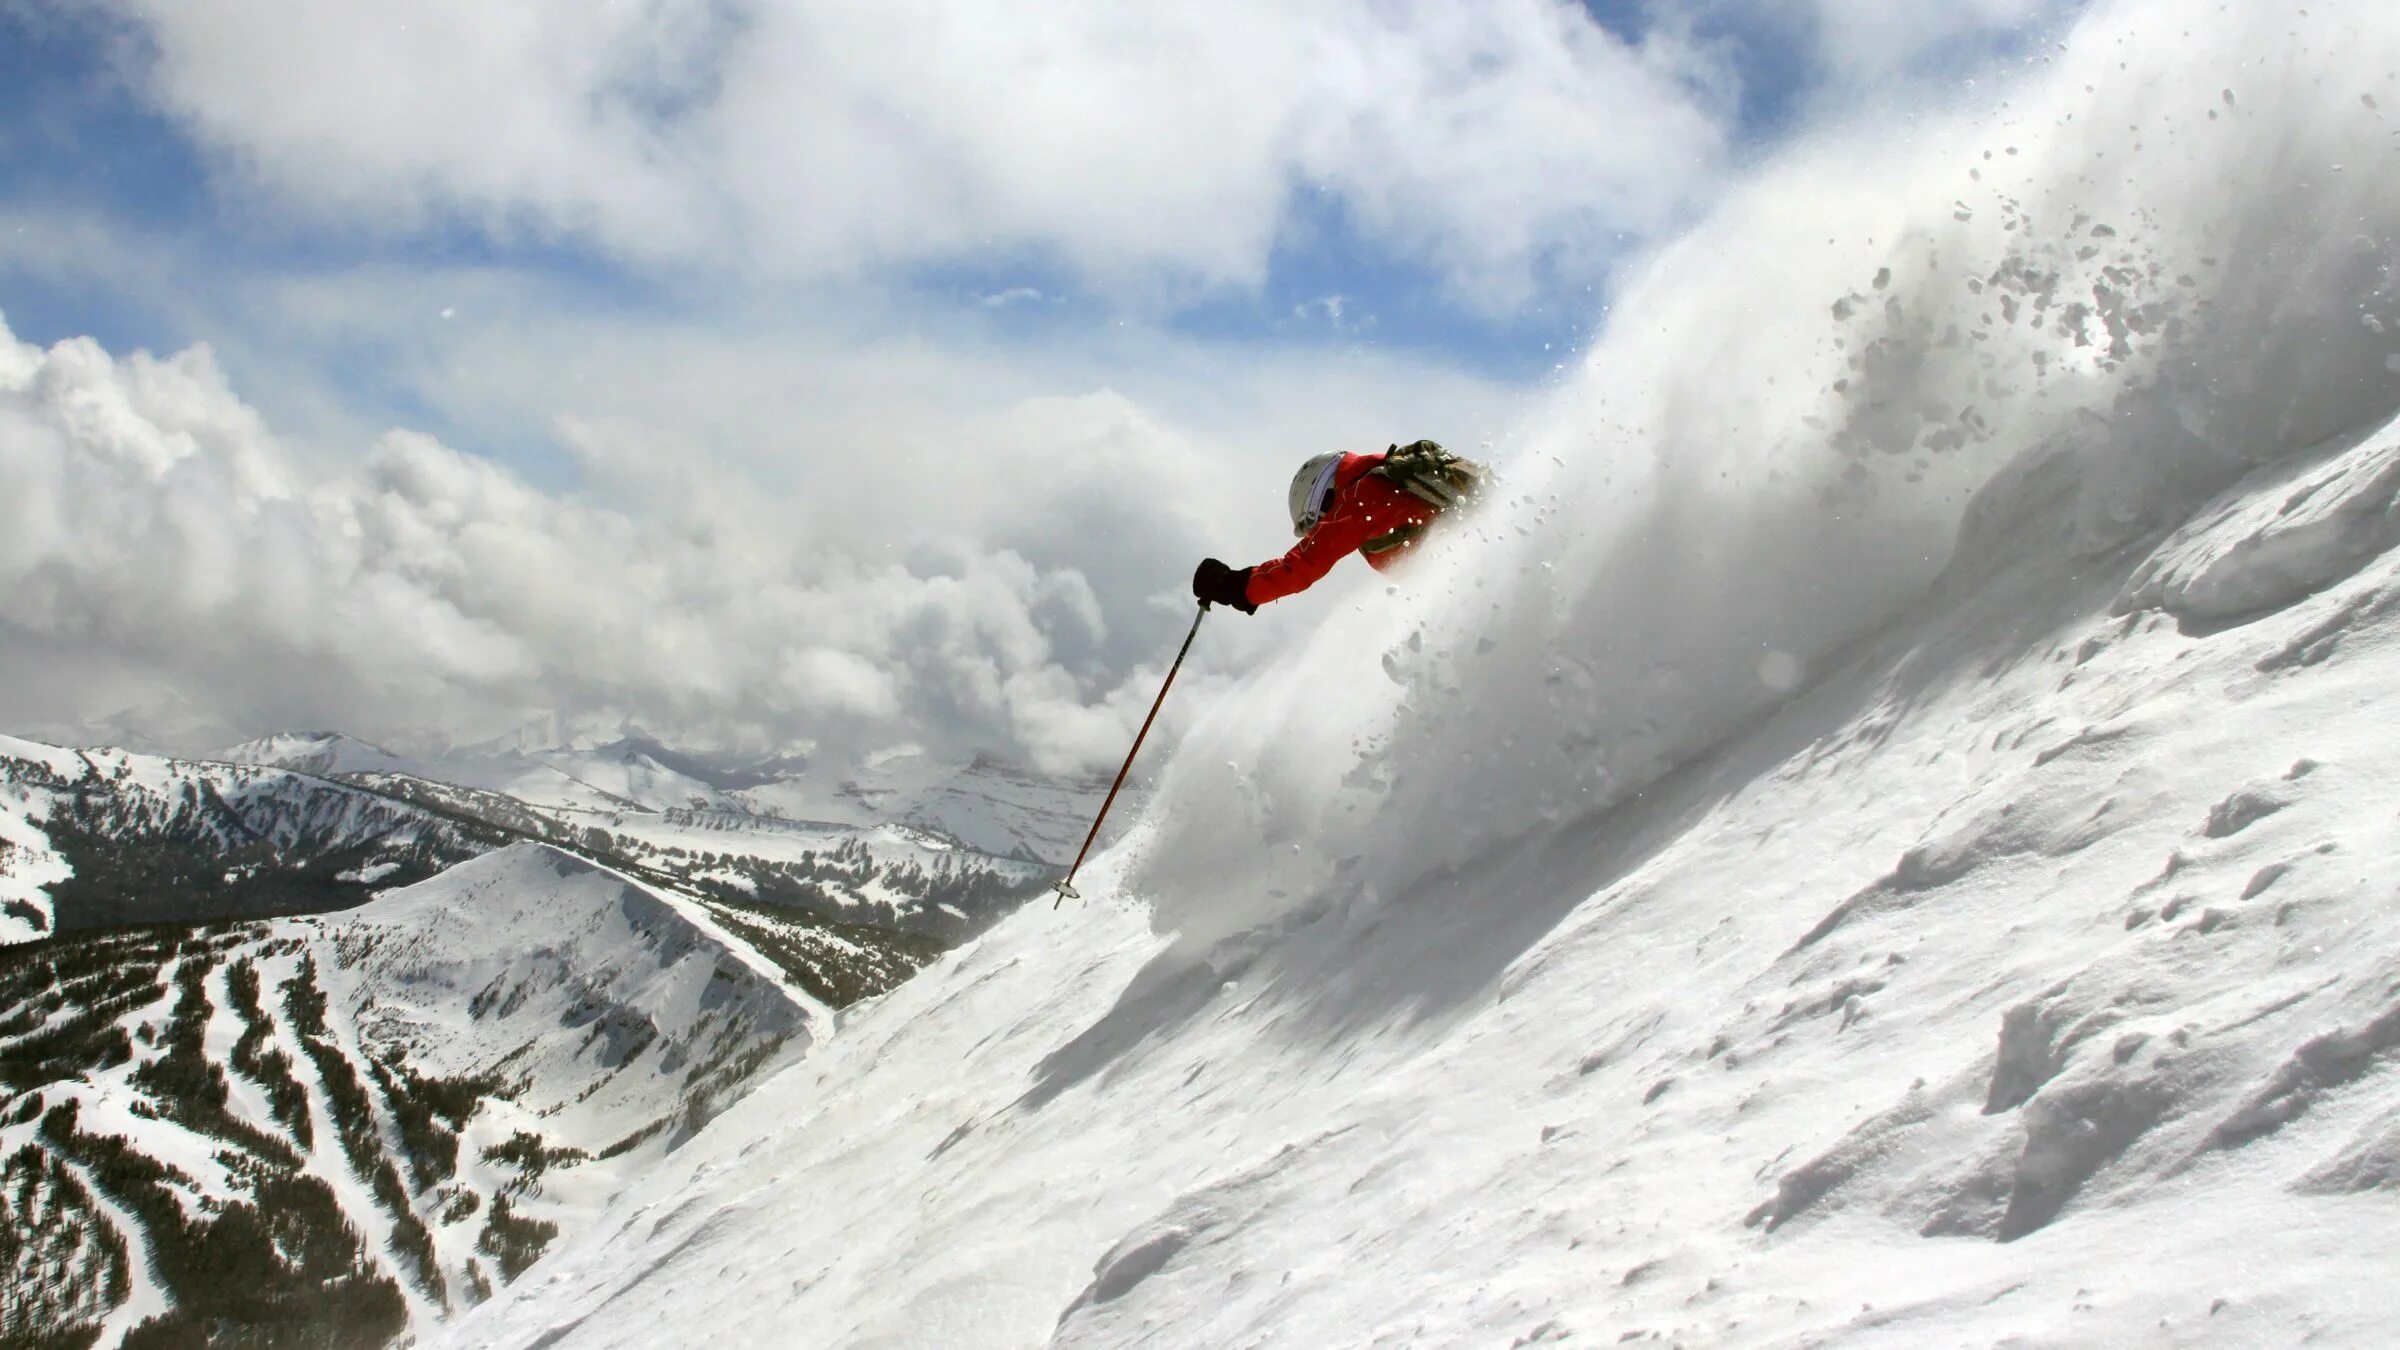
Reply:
x=1378, y=505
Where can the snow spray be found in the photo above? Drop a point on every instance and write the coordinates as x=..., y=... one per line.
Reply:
x=2163, y=248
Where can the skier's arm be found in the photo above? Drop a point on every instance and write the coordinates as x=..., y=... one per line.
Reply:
x=1336, y=537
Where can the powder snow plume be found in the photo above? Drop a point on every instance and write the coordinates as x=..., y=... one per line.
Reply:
x=2166, y=250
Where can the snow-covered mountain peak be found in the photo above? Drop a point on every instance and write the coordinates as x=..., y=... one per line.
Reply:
x=325, y=753
x=979, y=801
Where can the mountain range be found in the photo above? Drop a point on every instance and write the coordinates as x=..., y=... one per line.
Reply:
x=309, y=1043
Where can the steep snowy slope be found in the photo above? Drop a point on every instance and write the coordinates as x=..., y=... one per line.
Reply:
x=622, y=1005
x=333, y=1127
x=2031, y=975
x=1775, y=902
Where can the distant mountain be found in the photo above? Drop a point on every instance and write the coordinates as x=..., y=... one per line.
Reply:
x=324, y=753
x=916, y=843
x=555, y=780
x=1002, y=808
x=92, y=838
x=983, y=803
x=334, y=1129
x=97, y=838
x=476, y=1015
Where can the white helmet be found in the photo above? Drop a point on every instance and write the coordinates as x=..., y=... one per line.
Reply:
x=1312, y=489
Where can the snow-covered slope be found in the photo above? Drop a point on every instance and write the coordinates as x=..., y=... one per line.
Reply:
x=1777, y=902
x=623, y=1005
x=2031, y=975
x=331, y=1128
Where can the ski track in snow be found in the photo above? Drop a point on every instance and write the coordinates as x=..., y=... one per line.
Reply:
x=327, y=1160
x=148, y=1294
x=243, y=1098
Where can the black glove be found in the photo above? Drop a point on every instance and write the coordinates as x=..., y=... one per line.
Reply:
x=1221, y=585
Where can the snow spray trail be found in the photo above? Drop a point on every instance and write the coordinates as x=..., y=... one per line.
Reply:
x=2166, y=249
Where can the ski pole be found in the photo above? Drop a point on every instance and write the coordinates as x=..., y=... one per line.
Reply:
x=1067, y=887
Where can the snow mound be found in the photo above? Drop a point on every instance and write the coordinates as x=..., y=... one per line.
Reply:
x=2287, y=532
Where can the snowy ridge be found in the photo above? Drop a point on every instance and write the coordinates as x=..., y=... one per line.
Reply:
x=632, y=998
x=29, y=866
x=327, y=754
x=164, y=839
x=981, y=803
x=915, y=871
x=898, y=877
x=553, y=780
x=125, y=838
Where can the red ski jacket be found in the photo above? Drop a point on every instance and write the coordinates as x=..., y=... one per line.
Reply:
x=1366, y=510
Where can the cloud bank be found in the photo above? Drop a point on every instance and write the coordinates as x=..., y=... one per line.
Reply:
x=149, y=517
x=1142, y=147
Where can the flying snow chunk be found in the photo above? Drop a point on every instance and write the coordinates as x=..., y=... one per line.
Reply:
x=1779, y=671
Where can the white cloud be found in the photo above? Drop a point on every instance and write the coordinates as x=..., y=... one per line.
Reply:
x=1329, y=307
x=1145, y=147
x=944, y=555
x=839, y=685
x=150, y=517
x=1862, y=43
